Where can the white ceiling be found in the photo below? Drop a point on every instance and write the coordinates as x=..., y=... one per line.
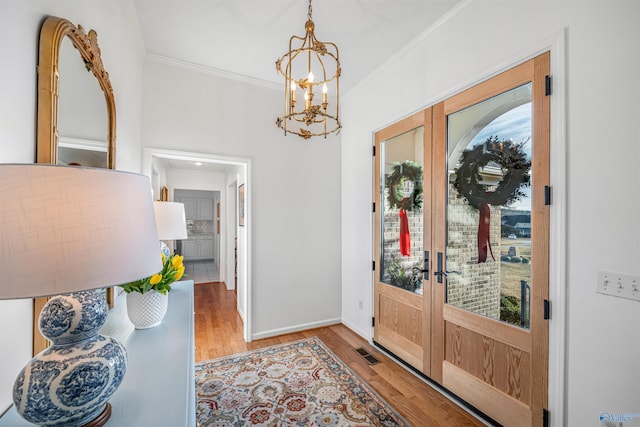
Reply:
x=245, y=37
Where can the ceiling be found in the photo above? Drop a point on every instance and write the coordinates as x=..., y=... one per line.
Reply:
x=244, y=38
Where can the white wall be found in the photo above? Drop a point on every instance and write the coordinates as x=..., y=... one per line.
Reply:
x=295, y=187
x=121, y=47
x=159, y=178
x=183, y=179
x=603, y=231
x=231, y=231
x=242, y=301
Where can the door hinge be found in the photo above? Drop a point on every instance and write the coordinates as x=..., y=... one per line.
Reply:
x=547, y=310
x=373, y=322
x=547, y=195
x=374, y=151
x=547, y=85
x=545, y=417
x=374, y=207
x=373, y=265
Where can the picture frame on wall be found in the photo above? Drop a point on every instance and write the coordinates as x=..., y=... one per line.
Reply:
x=218, y=218
x=241, y=212
x=164, y=194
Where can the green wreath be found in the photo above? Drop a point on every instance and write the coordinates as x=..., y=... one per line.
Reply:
x=512, y=160
x=401, y=172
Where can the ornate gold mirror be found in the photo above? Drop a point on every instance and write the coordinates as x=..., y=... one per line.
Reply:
x=76, y=110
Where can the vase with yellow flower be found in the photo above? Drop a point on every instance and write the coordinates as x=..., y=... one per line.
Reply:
x=148, y=299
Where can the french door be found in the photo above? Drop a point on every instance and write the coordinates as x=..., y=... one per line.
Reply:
x=464, y=300
x=402, y=297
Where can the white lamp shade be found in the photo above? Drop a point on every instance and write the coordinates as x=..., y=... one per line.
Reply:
x=67, y=229
x=170, y=220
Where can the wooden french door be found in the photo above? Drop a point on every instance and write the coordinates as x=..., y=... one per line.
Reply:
x=402, y=297
x=478, y=324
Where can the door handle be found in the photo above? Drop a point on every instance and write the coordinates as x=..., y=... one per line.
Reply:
x=440, y=273
x=425, y=267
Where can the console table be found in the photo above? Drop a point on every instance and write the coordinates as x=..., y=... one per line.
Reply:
x=159, y=386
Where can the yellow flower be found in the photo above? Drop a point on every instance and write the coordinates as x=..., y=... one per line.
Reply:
x=162, y=257
x=177, y=261
x=180, y=272
x=155, y=279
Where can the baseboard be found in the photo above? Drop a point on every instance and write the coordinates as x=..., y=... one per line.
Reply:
x=240, y=312
x=296, y=328
x=364, y=334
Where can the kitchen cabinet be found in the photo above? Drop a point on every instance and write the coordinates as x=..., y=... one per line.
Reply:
x=188, y=249
x=204, y=209
x=205, y=247
x=189, y=207
x=197, y=247
x=197, y=208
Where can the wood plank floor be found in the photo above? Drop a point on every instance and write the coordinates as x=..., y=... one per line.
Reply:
x=218, y=329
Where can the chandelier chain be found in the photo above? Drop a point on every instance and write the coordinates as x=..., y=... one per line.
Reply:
x=309, y=11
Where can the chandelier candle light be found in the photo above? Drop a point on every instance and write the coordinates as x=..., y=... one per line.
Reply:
x=314, y=65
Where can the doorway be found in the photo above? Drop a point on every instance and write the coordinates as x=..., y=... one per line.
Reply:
x=462, y=243
x=237, y=174
x=201, y=249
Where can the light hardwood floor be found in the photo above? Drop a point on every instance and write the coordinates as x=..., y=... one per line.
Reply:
x=218, y=330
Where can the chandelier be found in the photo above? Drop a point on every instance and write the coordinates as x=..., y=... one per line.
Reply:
x=314, y=68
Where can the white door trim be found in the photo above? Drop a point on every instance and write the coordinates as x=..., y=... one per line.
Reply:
x=245, y=247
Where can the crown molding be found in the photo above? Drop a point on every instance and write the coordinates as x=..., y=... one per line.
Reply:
x=456, y=10
x=214, y=71
x=410, y=46
x=452, y=13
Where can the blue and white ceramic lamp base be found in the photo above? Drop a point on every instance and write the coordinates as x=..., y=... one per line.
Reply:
x=69, y=383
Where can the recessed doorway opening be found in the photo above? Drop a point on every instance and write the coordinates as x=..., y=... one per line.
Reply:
x=228, y=176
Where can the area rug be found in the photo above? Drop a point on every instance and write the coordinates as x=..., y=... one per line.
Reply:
x=301, y=383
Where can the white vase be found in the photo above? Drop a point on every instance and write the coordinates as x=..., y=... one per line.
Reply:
x=146, y=310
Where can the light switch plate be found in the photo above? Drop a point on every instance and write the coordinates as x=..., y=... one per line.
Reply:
x=619, y=285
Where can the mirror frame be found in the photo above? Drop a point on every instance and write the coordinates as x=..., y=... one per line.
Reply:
x=52, y=32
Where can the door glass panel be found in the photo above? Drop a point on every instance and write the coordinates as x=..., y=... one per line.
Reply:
x=401, y=196
x=489, y=207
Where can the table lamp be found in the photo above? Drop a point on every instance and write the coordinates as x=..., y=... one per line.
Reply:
x=72, y=231
x=171, y=223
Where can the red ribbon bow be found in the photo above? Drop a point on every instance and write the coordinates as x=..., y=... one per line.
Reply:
x=405, y=236
x=484, y=229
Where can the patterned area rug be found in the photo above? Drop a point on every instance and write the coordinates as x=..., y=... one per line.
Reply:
x=301, y=383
